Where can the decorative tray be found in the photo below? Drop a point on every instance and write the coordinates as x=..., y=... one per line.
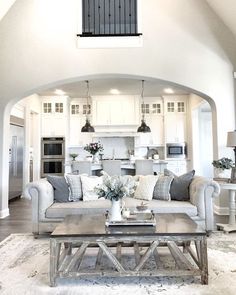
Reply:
x=144, y=218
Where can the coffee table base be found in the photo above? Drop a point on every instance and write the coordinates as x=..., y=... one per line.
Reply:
x=66, y=256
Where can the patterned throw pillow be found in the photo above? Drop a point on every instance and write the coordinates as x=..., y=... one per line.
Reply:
x=179, y=189
x=144, y=190
x=88, y=185
x=162, y=188
x=75, y=187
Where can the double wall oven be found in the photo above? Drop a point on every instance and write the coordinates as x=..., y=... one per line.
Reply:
x=52, y=156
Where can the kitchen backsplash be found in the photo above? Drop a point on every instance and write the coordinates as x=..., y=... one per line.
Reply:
x=117, y=147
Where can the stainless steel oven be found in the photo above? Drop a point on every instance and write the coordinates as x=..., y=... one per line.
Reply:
x=52, y=147
x=52, y=167
x=176, y=150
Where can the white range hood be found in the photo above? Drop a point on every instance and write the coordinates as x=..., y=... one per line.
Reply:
x=115, y=134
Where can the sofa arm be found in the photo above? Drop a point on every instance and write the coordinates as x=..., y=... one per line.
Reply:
x=202, y=191
x=42, y=195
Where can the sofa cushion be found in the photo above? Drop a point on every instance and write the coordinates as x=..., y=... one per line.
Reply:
x=144, y=190
x=162, y=188
x=60, y=187
x=60, y=210
x=179, y=189
x=75, y=187
x=88, y=185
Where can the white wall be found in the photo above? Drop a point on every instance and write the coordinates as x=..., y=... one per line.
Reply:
x=182, y=43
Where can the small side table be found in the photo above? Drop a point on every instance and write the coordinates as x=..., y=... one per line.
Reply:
x=231, y=226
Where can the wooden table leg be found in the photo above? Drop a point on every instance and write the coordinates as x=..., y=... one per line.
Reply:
x=204, y=261
x=53, y=262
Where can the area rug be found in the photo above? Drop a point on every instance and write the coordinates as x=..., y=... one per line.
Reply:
x=24, y=267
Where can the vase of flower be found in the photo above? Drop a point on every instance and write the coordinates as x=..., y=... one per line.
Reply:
x=115, y=188
x=115, y=213
x=93, y=148
x=222, y=167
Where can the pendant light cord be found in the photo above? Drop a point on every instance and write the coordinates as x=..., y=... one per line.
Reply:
x=142, y=107
x=87, y=99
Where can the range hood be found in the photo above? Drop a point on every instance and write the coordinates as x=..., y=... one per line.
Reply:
x=115, y=134
x=116, y=131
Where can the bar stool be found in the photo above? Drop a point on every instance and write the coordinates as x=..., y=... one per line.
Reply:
x=143, y=167
x=81, y=167
x=112, y=167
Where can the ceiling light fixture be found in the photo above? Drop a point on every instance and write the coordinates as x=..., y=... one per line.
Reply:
x=59, y=92
x=87, y=127
x=143, y=127
x=114, y=91
x=169, y=90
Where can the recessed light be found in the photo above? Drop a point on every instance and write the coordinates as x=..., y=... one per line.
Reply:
x=114, y=91
x=169, y=90
x=59, y=92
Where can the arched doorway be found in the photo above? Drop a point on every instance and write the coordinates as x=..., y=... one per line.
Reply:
x=101, y=80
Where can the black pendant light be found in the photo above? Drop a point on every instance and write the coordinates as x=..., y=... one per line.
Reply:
x=143, y=127
x=87, y=127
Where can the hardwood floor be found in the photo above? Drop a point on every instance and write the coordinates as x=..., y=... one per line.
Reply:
x=19, y=220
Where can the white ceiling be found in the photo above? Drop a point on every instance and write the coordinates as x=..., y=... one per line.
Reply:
x=124, y=86
x=226, y=10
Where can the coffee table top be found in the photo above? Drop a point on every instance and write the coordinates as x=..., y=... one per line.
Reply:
x=176, y=224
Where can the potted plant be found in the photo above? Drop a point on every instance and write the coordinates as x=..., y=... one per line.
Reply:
x=221, y=165
x=93, y=148
x=114, y=188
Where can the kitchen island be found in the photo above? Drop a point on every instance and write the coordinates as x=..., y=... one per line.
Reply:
x=128, y=167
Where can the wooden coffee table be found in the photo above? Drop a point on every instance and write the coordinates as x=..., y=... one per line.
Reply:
x=185, y=241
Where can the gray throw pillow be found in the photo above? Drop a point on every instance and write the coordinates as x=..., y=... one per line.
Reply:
x=179, y=189
x=60, y=186
x=162, y=188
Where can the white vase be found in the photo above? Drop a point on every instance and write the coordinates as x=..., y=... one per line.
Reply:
x=222, y=173
x=95, y=158
x=115, y=213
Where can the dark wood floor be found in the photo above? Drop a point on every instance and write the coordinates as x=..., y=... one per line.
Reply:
x=19, y=220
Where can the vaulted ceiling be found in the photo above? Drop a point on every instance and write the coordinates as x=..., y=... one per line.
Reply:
x=226, y=10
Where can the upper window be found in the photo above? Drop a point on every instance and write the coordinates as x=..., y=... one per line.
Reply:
x=109, y=18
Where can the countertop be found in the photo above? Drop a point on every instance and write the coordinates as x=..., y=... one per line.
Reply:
x=124, y=164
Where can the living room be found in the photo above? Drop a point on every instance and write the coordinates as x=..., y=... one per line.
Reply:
x=198, y=59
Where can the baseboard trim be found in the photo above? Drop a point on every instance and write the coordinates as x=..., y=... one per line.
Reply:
x=221, y=210
x=4, y=213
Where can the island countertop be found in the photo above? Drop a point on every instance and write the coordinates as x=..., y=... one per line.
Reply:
x=158, y=165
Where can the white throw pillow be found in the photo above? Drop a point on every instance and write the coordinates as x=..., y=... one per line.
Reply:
x=145, y=188
x=75, y=187
x=88, y=185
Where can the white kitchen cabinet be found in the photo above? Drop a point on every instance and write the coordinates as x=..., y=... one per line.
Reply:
x=175, y=119
x=153, y=111
x=118, y=110
x=178, y=167
x=54, y=116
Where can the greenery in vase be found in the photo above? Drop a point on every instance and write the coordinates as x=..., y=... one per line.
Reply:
x=93, y=147
x=73, y=156
x=115, y=187
x=223, y=163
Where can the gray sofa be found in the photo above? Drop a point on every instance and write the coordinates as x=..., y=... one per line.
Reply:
x=45, y=212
